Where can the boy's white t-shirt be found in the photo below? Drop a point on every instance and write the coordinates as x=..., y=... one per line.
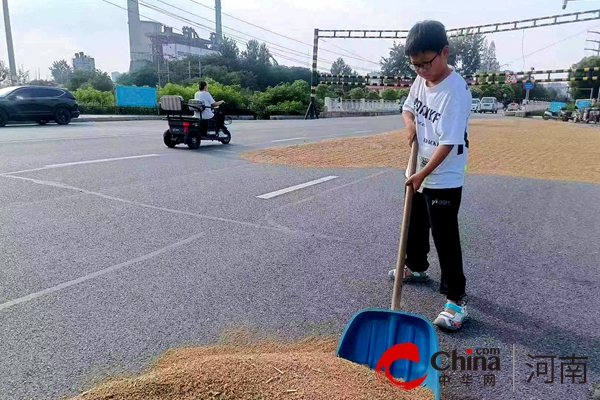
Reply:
x=442, y=117
x=208, y=101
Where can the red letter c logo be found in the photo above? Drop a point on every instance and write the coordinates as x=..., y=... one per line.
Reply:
x=402, y=351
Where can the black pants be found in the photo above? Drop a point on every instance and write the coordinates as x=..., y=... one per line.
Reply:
x=437, y=209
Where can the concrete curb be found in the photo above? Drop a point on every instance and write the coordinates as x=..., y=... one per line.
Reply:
x=286, y=117
x=341, y=114
x=117, y=118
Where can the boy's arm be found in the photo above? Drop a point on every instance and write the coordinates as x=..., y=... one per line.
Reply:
x=408, y=114
x=409, y=122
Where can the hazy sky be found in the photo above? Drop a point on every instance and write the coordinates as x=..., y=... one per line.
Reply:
x=44, y=31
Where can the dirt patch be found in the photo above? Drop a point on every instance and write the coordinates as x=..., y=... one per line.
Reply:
x=254, y=371
x=507, y=146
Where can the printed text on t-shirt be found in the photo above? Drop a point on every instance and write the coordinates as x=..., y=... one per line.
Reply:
x=427, y=112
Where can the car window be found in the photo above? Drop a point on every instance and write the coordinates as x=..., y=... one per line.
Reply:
x=25, y=93
x=6, y=91
x=48, y=92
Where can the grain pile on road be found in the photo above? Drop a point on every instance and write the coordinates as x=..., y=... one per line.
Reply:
x=507, y=146
x=266, y=370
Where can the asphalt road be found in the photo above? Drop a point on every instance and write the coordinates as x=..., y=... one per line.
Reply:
x=115, y=248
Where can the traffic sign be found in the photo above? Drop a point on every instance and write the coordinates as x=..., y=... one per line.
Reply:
x=528, y=85
x=509, y=79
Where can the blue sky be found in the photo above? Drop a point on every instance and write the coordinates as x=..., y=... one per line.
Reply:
x=44, y=31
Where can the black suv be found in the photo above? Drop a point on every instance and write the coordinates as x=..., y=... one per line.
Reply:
x=37, y=103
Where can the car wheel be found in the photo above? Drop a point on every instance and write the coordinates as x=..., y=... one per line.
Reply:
x=62, y=116
x=228, y=138
x=194, y=142
x=3, y=118
x=167, y=139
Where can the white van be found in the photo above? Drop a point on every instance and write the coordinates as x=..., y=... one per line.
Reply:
x=488, y=104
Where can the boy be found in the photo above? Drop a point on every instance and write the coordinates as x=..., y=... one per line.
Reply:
x=437, y=113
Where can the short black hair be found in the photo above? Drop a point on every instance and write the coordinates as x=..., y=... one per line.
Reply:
x=203, y=85
x=426, y=36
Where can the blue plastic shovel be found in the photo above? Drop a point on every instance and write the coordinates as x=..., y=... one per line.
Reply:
x=372, y=332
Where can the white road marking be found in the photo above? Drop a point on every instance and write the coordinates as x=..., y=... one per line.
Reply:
x=288, y=140
x=100, y=161
x=60, y=139
x=297, y=187
x=76, y=163
x=96, y=274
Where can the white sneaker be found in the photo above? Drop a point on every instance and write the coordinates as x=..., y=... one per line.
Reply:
x=413, y=277
x=452, y=322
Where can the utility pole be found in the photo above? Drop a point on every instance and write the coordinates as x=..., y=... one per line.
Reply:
x=9, y=44
x=597, y=45
x=527, y=90
x=219, y=27
x=158, y=71
x=168, y=72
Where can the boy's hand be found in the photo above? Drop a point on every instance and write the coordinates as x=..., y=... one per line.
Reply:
x=416, y=180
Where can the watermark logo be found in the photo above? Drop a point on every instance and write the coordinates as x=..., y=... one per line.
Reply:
x=467, y=363
x=402, y=351
x=484, y=359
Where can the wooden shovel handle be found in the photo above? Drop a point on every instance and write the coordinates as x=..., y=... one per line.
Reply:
x=409, y=192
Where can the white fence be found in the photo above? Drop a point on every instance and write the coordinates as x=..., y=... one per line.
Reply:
x=534, y=105
x=339, y=105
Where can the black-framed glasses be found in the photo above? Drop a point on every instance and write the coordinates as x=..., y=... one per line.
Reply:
x=425, y=65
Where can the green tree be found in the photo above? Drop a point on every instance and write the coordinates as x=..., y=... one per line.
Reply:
x=403, y=93
x=476, y=92
x=489, y=62
x=577, y=87
x=93, y=97
x=398, y=63
x=101, y=81
x=79, y=78
x=357, y=93
x=389, y=94
x=4, y=74
x=61, y=71
x=145, y=76
x=339, y=67
x=373, y=95
x=279, y=95
x=229, y=50
x=22, y=76
x=257, y=55
x=466, y=53
x=325, y=91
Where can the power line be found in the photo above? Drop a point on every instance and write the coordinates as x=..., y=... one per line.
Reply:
x=278, y=47
x=349, y=52
x=206, y=19
x=359, y=58
x=209, y=29
x=193, y=23
x=550, y=45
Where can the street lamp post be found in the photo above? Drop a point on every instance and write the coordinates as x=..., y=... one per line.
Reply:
x=9, y=44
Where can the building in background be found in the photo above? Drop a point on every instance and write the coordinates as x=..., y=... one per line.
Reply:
x=115, y=75
x=81, y=62
x=153, y=42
